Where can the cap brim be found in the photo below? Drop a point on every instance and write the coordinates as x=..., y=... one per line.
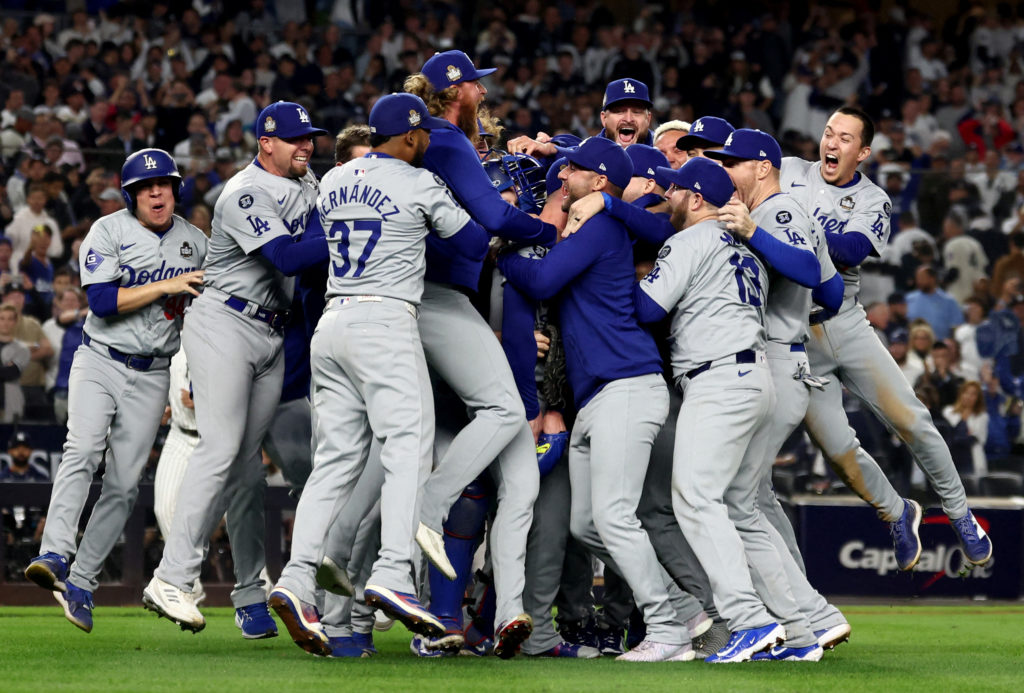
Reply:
x=650, y=104
x=483, y=73
x=432, y=123
x=690, y=141
x=720, y=154
x=666, y=173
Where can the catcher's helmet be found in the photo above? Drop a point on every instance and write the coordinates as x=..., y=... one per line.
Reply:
x=522, y=173
x=143, y=165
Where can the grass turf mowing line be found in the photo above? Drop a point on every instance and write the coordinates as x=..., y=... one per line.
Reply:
x=927, y=648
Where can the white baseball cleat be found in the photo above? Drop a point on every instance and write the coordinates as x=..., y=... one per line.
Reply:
x=650, y=651
x=334, y=578
x=173, y=604
x=828, y=638
x=432, y=544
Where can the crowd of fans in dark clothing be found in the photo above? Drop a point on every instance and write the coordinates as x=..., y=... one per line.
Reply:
x=83, y=84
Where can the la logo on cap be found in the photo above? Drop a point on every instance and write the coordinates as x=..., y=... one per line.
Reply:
x=453, y=74
x=269, y=125
x=414, y=118
x=303, y=117
x=697, y=127
x=628, y=88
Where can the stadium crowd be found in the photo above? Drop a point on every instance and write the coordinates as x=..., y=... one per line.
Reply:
x=84, y=85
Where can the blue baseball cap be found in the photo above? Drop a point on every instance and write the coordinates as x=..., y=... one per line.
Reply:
x=646, y=162
x=625, y=90
x=602, y=156
x=551, y=180
x=395, y=114
x=750, y=145
x=285, y=119
x=566, y=140
x=702, y=176
x=450, y=68
x=705, y=131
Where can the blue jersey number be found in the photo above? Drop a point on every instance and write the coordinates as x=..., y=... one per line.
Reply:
x=351, y=241
x=747, y=279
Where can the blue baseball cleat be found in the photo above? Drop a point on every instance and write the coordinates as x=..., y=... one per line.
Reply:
x=255, y=622
x=346, y=646
x=49, y=571
x=811, y=653
x=423, y=646
x=905, y=539
x=77, y=605
x=610, y=640
x=974, y=541
x=404, y=607
x=745, y=643
x=570, y=651
x=365, y=641
x=475, y=643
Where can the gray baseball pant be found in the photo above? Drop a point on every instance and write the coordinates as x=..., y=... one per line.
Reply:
x=104, y=395
x=464, y=351
x=237, y=366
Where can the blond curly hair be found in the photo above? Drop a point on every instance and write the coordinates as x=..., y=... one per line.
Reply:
x=439, y=102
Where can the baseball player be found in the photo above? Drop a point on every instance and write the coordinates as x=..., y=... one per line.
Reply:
x=460, y=346
x=625, y=120
x=367, y=358
x=852, y=214
x=783, y=235
x=140, y=268
x=715, y=287
x=233, y=341
x=666, y=140
x=615, y=373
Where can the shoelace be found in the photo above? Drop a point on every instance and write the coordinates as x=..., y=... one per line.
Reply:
x=966, y=528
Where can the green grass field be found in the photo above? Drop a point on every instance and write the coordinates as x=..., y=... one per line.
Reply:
x=900, y=648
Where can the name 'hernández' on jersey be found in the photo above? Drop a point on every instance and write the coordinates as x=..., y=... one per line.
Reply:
x=857, y=207
x=376, y=212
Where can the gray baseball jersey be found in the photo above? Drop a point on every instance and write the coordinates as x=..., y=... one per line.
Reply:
x=376, y=211
x=846, y=347
x=110, y=405
x=254, y=208
x=789, y=304
x=860, y=207
x=115, y=251
x=714, y=313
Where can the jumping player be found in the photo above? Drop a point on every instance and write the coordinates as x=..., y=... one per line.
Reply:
x=852, y=214
x=140, y=266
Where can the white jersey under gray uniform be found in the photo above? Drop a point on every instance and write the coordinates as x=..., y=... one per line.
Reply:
x=715, y=289
x=233, y=340
x=369, y=375
x=776, y=574
x=846, y=349
x=117, y=385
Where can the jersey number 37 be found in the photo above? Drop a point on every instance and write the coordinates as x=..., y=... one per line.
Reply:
x=360, y=239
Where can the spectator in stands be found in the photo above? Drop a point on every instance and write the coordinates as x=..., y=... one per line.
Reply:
x=899, y=350
x=941, y=376
x=21, y=466
x=963, y=257
x=921, y=341
x=970, y=421
x=932, y=304
x=878, y=315
x=37, y=269
x=1011, y=265
x=14, y=359
x=975, y=312
x=25, y=220
x=29, y=332
x=1004, y=414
